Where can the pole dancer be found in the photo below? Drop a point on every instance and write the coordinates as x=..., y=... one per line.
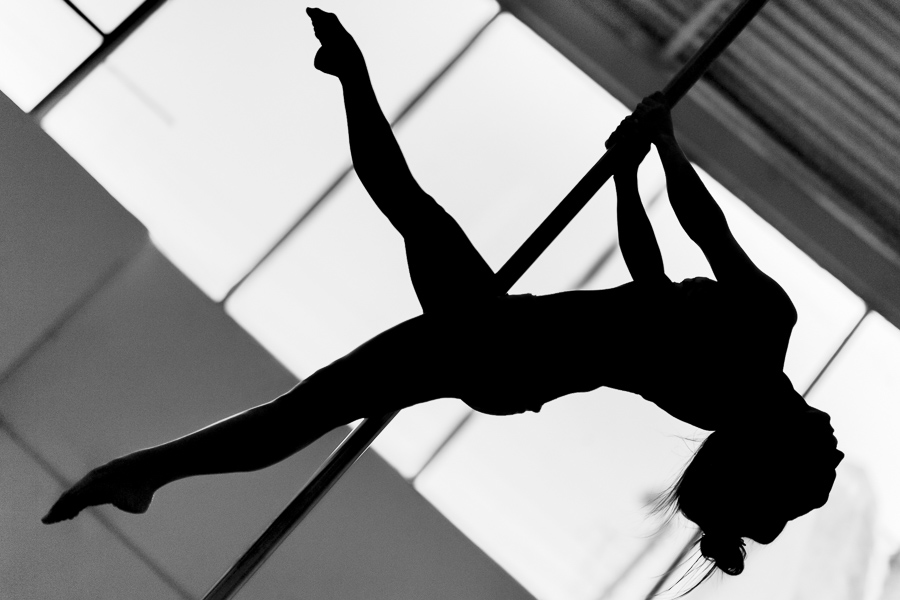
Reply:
x=708, y=352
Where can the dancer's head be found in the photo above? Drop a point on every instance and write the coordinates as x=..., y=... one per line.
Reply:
x=748, y=480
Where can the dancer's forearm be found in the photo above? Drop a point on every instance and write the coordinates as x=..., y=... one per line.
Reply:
x=636, y=238
x=697, y=211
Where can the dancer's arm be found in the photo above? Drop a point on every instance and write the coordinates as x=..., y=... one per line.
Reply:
x=636, y=238
x=696, y=210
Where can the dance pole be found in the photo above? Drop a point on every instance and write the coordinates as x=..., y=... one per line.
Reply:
x=359, y=440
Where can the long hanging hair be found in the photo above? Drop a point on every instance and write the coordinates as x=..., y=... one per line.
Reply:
x=718, y=548
x=727, y=477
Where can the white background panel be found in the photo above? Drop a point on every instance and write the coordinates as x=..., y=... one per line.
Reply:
x=41, y=42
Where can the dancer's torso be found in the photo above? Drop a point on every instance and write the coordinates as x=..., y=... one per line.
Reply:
x=699, y=349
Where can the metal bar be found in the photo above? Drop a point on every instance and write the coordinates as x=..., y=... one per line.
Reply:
x=460, y=425
x=358, y=441
x=315, y=489
x=600, y=173
x=84, y=18
x=835, y=354
x=111, y=41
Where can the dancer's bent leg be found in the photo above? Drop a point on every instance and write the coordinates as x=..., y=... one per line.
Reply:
x=445, y=267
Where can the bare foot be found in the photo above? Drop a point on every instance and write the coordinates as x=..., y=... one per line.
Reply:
x=119, y=483
x=339, y=54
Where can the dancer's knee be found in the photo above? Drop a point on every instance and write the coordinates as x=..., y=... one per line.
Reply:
x=421, y=218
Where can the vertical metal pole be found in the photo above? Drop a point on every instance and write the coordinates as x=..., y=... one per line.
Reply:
x=358, y=441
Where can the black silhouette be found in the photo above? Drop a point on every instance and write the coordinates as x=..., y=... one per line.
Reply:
x=710, y=353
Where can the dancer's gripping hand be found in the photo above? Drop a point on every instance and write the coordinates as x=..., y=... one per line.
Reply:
x=118, y=483
x=635, y=142
x=654, y=118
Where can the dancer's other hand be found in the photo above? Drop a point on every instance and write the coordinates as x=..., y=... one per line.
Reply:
x=636, y=145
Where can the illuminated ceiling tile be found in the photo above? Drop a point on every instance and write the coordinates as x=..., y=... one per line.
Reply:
x=417, y=432
x=860, y=391
x=41, y=42
x=212, y=126
x=340, y=280
x=107, y=14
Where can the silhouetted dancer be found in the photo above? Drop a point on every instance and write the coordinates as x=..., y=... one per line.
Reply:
x=709, y=353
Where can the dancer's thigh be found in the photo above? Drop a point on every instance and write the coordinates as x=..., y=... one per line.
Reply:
x=410, y=363
x=446, y=269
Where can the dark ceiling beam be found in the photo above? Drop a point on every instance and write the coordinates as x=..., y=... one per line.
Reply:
x=736, y=151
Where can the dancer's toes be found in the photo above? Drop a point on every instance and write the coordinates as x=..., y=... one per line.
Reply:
x=62, y=510
x=115, y=483
x=323, y=22
x=339, y=53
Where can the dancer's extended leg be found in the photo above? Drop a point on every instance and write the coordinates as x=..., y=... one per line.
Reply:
x=396, y=369
x=445, y=267
x=403, y=366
